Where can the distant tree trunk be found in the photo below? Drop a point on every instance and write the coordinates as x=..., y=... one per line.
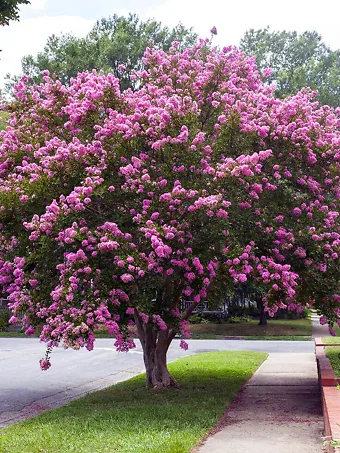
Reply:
x=263, y=317
x=155, y=344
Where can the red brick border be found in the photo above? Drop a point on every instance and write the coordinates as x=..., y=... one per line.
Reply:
x=330, y=395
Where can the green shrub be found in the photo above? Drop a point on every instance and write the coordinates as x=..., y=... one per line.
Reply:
x=4, y=318
x=237, y=319
x=286, y=314
x=239, y=310
x=3, y=120
x=198, y=318
x=195, y=319
x=215, y=317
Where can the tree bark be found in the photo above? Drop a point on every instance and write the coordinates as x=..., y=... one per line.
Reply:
x=263, y=317
x=155, y=344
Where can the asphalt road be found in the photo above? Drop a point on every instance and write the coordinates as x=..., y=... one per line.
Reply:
x=26, y=391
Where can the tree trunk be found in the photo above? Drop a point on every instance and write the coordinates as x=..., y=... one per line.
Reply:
x=155, y=343
x=263, y=317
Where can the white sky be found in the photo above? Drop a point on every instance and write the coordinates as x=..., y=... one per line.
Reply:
x=232, y=18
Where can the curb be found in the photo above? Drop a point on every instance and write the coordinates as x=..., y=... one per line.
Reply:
x=330, y=396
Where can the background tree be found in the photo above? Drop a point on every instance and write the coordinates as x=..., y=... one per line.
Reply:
x=115, y=44
x=116, y=206
x=9, y=10
x=297, y=61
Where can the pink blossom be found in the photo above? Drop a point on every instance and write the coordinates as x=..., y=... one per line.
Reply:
x=332, y=331
x=183, y=345
x=266, y=72
x=45, y=364
x=29, y=331
x=126, y=278
x=323, y=320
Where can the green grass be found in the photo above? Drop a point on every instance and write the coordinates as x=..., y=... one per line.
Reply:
x=3, y=120
x=127, y=418
x=207, y=336
x=332, y=352
x=331, y=340
x=200, y=336
x=278, y=328
x=281, y=337
x=12, y=335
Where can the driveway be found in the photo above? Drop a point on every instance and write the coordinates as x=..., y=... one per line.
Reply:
x=26, y=391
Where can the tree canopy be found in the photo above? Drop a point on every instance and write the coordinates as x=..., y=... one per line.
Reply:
x=115, y=44
x=115, y=206
x=296, y=61
x=9, y=10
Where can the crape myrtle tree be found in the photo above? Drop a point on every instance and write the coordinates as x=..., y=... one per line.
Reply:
x=116, y=206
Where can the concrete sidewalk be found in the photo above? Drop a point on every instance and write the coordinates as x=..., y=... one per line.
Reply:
x=279, y=410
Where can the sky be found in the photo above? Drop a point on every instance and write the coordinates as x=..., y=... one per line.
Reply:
x=232, y=18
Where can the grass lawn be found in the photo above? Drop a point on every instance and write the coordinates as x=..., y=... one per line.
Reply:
x=331, y=340
x=275, y=329
x=128, y=418
x=12, y=335
x=281, y=337
x=333, y=352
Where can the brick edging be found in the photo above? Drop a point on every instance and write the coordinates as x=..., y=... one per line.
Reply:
x=330, y=396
